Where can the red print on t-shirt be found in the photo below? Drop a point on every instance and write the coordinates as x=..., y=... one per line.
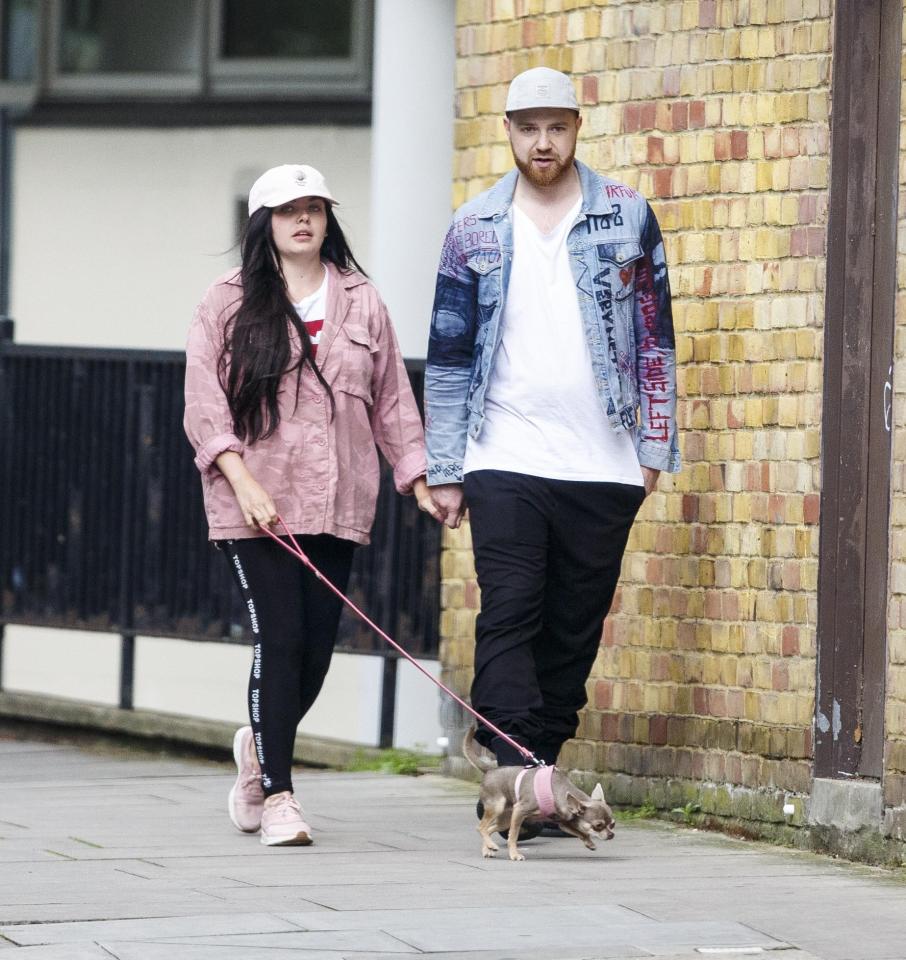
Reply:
x=314, y=334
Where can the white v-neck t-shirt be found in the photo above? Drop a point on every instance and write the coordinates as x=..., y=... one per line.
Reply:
x=542, y=412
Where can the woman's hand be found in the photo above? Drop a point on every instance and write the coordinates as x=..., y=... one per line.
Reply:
x=258, y=510
x=422, y=493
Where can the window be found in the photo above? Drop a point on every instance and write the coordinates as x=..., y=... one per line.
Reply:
x=324, y=46
x=129, y=46
x=18, y=51
x=19, y=55
x=241, y=51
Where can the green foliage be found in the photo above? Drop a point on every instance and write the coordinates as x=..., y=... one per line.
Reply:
x=405, y=762
x=645, y=812
x=687, y=812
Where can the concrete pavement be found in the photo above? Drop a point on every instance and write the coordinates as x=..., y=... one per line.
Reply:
x=108, y=854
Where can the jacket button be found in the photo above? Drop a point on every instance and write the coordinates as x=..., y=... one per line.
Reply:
x=317, y=399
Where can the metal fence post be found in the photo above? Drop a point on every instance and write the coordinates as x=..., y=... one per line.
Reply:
x=7, y=331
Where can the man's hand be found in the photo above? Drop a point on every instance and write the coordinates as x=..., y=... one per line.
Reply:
x=650, y=476
x=448, y=500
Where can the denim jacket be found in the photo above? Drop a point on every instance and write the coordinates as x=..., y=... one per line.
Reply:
x=616, y=255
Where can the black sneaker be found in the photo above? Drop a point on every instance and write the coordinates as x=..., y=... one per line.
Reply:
x=528, y=831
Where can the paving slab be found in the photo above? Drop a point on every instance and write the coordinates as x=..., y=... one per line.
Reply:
x=105, y=854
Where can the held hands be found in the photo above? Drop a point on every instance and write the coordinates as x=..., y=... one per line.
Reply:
x=422, y=493
x=448, y=503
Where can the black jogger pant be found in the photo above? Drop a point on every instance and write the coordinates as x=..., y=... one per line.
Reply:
x=548, y=555
x=293, y=618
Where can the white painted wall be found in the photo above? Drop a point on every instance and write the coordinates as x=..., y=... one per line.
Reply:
x=117, y=233
x=77, y=664
x=412, y=157
x=417, y=724
x=209, y=680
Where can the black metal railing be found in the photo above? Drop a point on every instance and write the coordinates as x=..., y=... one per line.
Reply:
x=101, y=518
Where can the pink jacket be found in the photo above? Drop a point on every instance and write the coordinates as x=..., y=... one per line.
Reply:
x=322, y=473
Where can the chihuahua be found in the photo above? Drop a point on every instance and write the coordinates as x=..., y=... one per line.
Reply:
x=517, y=794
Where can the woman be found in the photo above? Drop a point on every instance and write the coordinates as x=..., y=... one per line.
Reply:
x=293, y=374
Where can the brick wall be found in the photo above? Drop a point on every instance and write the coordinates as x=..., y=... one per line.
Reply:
x=718, y=112
x=895, y=713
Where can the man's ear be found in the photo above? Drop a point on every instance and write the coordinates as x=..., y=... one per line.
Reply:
x=578, y=122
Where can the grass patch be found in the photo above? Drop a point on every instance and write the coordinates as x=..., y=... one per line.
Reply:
x=645, y=812
x=407, y=763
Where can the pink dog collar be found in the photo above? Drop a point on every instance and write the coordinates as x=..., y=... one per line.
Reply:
x=541, y=784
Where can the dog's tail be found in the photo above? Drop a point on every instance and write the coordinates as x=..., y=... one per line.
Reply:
x=469, y=751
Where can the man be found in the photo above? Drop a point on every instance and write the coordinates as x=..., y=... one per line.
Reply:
x=551, y=408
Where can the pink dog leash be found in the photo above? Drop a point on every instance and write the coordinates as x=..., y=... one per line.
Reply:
x=298, y=552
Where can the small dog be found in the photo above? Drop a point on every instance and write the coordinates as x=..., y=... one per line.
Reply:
x=509, y=794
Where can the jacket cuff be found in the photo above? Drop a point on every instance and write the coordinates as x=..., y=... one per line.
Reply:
x=444, y=471
x=211, y=449
x=408, y=470
x=658, y=457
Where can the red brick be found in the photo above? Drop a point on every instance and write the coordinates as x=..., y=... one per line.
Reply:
x=589, y=89
x=798, y=242
x=631, y=118
x=603, y=694
x=811, y=507
x=657, y=729
x=722, y=149
x=663, y=182
x=700, y=700
x=690, y=507
x=697, y=114
x=655, y=150
x=789, y=641
x=707, y=13
x=780, y=676
x=648, y=115
x=739, y=144
x=680, y=115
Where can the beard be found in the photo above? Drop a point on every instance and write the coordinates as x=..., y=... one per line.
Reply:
x=544, y=178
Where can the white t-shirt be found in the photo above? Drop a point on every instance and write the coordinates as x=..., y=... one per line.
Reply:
x=542, y=412
x=312, y=310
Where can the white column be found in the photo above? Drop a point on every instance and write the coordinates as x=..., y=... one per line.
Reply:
x=411, y=158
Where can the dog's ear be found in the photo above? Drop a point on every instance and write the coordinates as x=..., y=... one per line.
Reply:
x=598, y=793
x=574, y=804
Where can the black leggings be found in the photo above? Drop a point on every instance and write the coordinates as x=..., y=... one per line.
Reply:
x=293, y=619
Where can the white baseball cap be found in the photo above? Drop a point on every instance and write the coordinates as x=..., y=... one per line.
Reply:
x=284, y=183
x=541, y=87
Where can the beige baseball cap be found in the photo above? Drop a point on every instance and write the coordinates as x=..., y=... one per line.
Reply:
x=541, y=87
x=284, y=183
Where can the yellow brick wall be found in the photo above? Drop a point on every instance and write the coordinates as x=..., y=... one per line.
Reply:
x=717, y=110
x=895, y=713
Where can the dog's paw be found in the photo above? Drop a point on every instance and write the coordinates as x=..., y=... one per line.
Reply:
x=516, y=856
x=590, y=844
x=488, y=852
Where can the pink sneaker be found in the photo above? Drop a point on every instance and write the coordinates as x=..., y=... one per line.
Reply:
x=282, y=823
x=247, y=795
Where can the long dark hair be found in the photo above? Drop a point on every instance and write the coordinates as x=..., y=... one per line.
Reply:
x=256, y=350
